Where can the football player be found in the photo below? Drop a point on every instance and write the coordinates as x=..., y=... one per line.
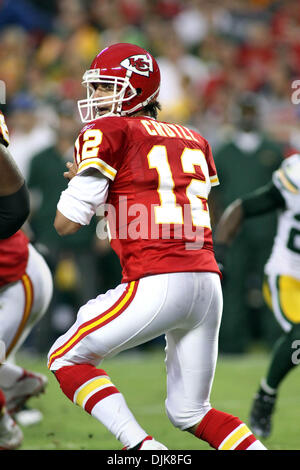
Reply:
x=14, y=197
x=281, y=286
x=152, y=179
x=25, y=293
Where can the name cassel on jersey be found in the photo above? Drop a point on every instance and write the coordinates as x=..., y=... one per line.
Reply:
x=160, y=178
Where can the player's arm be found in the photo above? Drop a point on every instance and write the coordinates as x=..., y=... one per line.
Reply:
x=14, y=195
x=265, y=199
x=11, y=179
x=96, y=160
x=65, y=226
x=79, y=202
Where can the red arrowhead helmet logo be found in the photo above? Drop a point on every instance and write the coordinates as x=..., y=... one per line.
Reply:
x=139, y=63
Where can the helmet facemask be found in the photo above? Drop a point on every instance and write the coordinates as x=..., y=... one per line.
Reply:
x=90, y=108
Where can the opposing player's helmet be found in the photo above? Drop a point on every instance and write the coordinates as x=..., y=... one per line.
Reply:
x=131, y=72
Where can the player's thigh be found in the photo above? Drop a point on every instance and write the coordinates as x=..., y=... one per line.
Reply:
x=123, y=318
x=13, y=306
x=282, y=294
x=25, y=301
x=42, y=284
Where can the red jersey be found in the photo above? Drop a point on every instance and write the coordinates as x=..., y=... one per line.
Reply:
x=13, y=258
x=160, y=178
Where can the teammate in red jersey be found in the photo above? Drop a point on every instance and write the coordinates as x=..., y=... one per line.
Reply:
x=152, y=181
x=25, y=292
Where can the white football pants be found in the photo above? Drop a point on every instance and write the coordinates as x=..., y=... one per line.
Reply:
x=24, y=302
x=186, y=307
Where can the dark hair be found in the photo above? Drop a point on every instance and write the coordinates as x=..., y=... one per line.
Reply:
x=153, y=108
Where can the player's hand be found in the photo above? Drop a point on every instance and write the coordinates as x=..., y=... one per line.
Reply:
x=72, y=170
x=4, y=134
x=222, y=271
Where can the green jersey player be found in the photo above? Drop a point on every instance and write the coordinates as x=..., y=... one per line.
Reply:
x=281, y=286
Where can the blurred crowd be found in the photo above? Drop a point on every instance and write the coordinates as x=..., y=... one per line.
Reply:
x=225, y=65
x=209, y=53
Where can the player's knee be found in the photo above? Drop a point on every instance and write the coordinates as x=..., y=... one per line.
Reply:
x=185, y=416
x=68, y=378
x=57, y=359
x=58, y=364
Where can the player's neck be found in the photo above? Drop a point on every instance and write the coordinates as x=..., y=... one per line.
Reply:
x=142, y=112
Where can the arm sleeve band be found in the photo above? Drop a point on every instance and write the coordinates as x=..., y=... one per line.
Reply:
x=14, y=210
x=84, y=194
x=265, y=199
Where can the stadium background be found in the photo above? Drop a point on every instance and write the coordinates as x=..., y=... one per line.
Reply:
x=227, y=70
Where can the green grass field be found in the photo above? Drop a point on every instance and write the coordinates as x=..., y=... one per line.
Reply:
x=141, y=378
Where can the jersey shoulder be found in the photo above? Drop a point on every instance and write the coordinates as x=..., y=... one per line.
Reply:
x=107, y=125
x=101, y=145
x=199, y=137
x=287, y=177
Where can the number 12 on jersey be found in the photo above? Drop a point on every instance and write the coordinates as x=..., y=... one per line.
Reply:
x=169, y=212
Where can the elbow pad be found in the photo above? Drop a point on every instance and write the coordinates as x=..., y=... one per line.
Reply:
x=14, y=210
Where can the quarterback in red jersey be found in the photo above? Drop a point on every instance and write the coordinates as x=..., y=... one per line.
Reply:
x=151, y=180
x=161, y=173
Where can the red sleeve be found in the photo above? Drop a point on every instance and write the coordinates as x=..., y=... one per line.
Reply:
x=101, y=145
x=214, y=180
